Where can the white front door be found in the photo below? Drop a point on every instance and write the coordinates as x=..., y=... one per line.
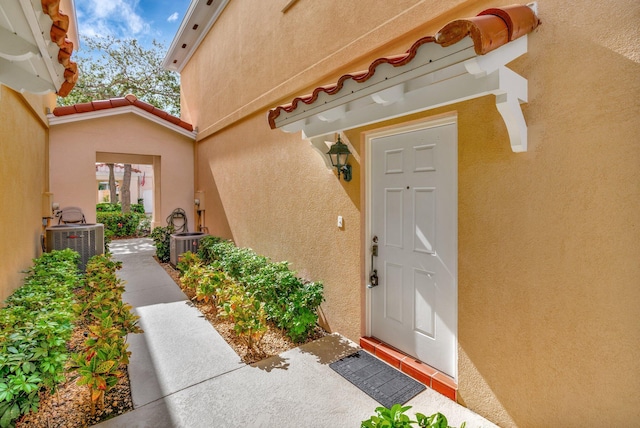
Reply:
x=413, y=210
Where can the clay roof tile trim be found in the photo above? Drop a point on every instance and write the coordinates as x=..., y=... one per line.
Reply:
x=58, y=34
x=489, y=30
x=126, y=101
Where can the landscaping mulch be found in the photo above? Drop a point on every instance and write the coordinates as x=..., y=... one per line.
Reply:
x=69, y=406
x=274, y=342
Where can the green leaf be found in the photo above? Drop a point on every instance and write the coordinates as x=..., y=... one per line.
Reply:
x=105, y=366
x=15, y=411
x=6, y=419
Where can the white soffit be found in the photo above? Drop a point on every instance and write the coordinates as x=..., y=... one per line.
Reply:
x=437, y=76
x=197, y=21
x=28, y=57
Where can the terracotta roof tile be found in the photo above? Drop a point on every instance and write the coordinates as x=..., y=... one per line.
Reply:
x=129, y=100
x=101, y=105
x=58, y=34
x=489, y=30
x=84, y=107
x=64, y=110
x=119, y=102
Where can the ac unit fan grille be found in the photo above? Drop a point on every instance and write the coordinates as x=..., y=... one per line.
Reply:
x=87, y=240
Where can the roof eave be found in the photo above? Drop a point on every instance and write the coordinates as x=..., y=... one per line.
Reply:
x=198, y=20
x=131, y=109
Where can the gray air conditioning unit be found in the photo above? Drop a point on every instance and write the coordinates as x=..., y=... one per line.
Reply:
x=180, y=243
x=86, y=239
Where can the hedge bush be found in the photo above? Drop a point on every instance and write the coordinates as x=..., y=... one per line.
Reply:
x=161, y=236
x=290, y=302
x=35, y=325
x=107, y=207
x=119, y=225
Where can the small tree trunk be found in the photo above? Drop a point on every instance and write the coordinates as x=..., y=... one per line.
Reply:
x=113, y=198
x=125, y=192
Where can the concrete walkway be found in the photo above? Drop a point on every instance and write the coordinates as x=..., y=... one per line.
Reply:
x=184, y=374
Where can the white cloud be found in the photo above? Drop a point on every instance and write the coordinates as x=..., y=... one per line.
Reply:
x=116, y=18
x=173, y=17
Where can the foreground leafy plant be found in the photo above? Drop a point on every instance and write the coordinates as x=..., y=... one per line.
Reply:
x=99, y=364
x=248, y=315
x=34, y=328
x=162, y=239
x=395, y=417
x=289, y=302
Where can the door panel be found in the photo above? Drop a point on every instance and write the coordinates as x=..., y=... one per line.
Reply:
x=414, y=214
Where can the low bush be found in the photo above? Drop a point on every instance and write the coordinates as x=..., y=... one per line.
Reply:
x=35, y=325
x=231, y=300
x=395, y=418
x=107, y=207
x=119, y=225
x=289, y=302
x=161, y=236
x=110, y=320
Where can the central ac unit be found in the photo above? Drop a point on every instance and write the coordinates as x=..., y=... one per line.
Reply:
x=86, y=239
x=180, y=243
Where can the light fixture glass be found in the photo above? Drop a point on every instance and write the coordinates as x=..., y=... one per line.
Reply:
x=339, y=154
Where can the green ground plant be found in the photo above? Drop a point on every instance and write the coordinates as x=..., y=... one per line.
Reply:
x=119, y=225
x=35, y=325
x=161, y=236
x=395, y=417
x=99, y=364
x=106, y=207
x=230, y=299
x=289, y=302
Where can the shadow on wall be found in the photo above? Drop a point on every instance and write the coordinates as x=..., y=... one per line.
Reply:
x=214, y=216
x=548, y=315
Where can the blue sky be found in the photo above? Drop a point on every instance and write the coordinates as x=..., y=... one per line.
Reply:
x=144, y=20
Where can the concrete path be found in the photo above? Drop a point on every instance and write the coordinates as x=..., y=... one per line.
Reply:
x=184, y=374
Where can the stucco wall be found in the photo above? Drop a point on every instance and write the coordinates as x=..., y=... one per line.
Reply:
x=73, y=148
x=23, y=179
x=549, y=241
x=279, y=199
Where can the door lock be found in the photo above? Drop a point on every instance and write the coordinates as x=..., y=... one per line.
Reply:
x=373, y=278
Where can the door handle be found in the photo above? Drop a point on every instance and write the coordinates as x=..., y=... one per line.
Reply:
x=373, y=277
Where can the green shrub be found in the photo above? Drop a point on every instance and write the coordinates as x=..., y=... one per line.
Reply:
x=119, y=224
x=162, y=239
x=35, y=325
x=395, y=418
x=289, y=302
x=247, y=314
x=99, y=364
x=107, y=207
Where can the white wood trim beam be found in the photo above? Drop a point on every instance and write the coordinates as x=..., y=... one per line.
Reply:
x=457, y=76
x=41, y=36
x=21, y=80
x=14, y=47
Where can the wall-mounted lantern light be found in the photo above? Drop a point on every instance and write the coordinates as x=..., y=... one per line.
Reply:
x=339, y=154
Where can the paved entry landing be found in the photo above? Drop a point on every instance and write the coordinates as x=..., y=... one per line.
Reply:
x=184, y=374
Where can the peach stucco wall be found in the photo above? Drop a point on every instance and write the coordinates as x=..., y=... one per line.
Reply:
x=121, y=138
x=23, y=179
x=549, y=243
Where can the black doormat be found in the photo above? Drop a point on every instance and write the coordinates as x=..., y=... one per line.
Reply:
x=385, y=384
